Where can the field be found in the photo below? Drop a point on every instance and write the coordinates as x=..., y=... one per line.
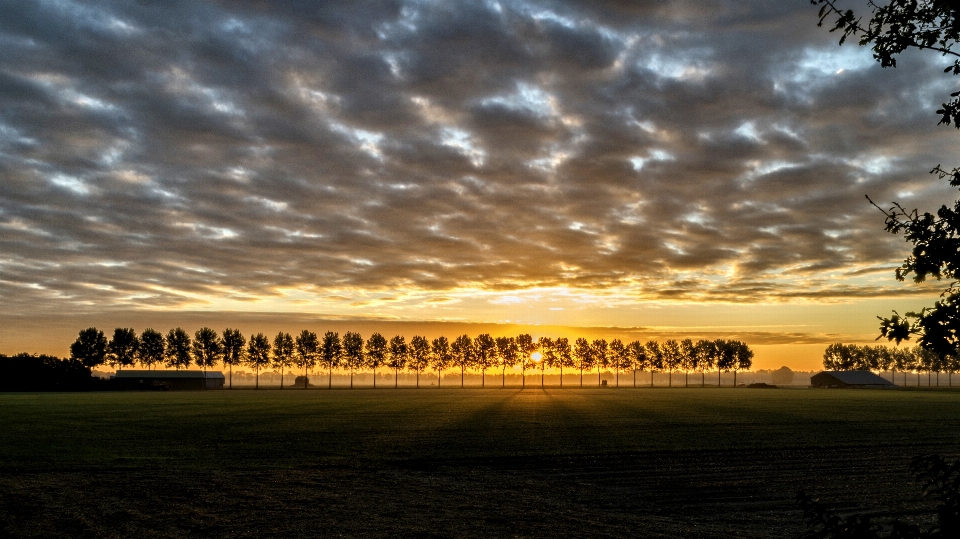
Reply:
x=460, y=463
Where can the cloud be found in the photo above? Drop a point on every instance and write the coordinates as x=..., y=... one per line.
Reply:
x=165, y=154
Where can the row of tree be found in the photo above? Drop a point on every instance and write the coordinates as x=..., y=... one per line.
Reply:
x=352, y=353
x=852, y=357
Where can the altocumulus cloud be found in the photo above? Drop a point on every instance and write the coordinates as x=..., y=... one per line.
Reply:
x=176, y=153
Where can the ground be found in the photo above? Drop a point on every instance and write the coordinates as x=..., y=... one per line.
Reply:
x=461, y=463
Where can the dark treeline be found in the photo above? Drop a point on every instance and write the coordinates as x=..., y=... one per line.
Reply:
x=24, y=372
x=353, y=354
x=852, y=357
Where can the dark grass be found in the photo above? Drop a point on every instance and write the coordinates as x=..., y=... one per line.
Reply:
x=460, y=463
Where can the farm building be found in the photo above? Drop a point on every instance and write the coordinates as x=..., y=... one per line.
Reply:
x=849, y=379
x=189, y=380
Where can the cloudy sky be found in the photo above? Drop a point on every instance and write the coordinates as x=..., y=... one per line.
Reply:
x=668, y=165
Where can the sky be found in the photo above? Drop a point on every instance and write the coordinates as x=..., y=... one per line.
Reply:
x=661, y=169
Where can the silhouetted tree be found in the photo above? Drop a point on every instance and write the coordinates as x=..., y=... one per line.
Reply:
x=526, y=346
x=688, y=358
x=282, y=353
x=742, y=358
x=601, y=356
x=547, y=355
x=398, y=357
x=725, y=357
x=375, y=352
x=207, y=349
x=152, y=348
x=484, y=355
x=564, y=355
x=353, y=352
x=670, y=351
x=331, y=353
x=306, y=352
x=419, y=355
x=234, y=348
x=582, y=356
x=122, y=348
x=638, y=358
x=90, y=348
x=508, y=354
x=258, y=354
x=654, y=358
x=705, y=355
x=440, y=356
x=619, y=358
x=178, y=349
x=462, y=352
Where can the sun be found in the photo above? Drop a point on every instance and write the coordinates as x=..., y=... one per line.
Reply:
x=536, y=356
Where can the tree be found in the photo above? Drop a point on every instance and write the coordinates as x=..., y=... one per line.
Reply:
x=894, y=27
x=440, y=357
x=282, y=353
x=398, y=357
x=258, y=354
x=484, y=355
x=207, y=349
x=462, y=352
x=525, y=346
x=688, y=358
x=375, y=352
x=601, y=356
x=619, y=357
x=582, y=356
x=670, y=351
x=178, y=349
x=548, y=355
x=742, y=358
x=419, y=355
x=353, y=352
x=122, y=348
x=508, y=354
x=152, y=348
x=233, y=343
x=654, y=357
x=705, y=355
x=563, y=354
x=638, y=358
x=903, y=360
x=725, y=357
x=90, y=348
x=331, y=353
x=306, y=351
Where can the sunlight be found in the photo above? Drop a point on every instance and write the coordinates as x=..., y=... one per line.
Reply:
x=536, y=356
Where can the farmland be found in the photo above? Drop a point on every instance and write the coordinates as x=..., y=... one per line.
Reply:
x=465, y=463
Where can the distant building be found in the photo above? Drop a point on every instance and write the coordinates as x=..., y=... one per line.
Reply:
x=181, y=380
x=849, y=379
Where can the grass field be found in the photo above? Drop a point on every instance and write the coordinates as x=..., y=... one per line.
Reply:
x=460, y=463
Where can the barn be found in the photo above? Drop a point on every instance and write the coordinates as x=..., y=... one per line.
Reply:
x=865, y=379
x=181, y=380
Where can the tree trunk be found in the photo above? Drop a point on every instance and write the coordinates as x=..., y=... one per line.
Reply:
x=703, y=379
x=396, y=377
x=523, y=376
x=670, y=378
x=686, y=379
x=351, y=377
x=257, y=385
x=483, y=378
x=651, y=377
x=734, y=377
x=281, y=377
x=418, y=378
x=330, y=377
x=581, y=376
x=598, y=375
x=461, y=377
x=541, y=377
x=503, y=377
x=561, y=375
x=634, y=377
x=618, y=377
x=718, y=377
x=438, y=378
x=231, y=376
x=374, y=378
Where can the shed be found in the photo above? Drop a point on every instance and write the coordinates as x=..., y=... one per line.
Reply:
x=865, y=379
x=183, y=380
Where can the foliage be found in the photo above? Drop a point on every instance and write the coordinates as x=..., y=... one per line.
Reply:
x=419, y=354
x=258, y=353
x=398, y=355
x=122, y=349
x=90, y=348
x=282, y=353
x=207, y=348
x=353, y=352
x=153, y=348
x=178, y=349
x=375, y=353
x=461, y=351
x=894, y=27
x=306, y=350
x=484, y=352
x=24, y=372
x=440, y=356
x=939, y=479
x=233, y=344
x=331, y=350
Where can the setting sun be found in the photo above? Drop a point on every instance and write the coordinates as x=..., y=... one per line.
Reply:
x=536, y=356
